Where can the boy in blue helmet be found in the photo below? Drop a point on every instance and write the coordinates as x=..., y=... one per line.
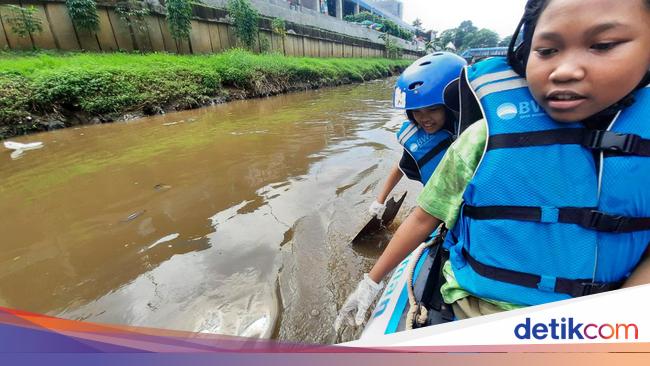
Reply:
x=431, y=125
x=546, y=190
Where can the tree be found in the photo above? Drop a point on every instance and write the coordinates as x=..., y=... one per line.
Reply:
x=417, y=23
x=392, y=49
x=505, y=42
x=23, y=21
x=465, y=29
x=179, y=16
x=445, y=37
x=465, y=36
x=480, y=39
x=245, y=19
x=83, y=14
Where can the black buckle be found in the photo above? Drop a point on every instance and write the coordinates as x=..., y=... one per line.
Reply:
x=612, y=141
x=590, y=288
x=600, y=221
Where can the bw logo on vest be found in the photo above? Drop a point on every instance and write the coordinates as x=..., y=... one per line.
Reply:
x=413, y=147
x=526, y=109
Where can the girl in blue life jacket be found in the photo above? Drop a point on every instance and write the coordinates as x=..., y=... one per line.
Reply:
x=431, y=125
x=546, y=193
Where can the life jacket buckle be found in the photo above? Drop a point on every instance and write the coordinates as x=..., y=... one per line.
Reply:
x=589, y=288
x=601, y=221
x=612, y=141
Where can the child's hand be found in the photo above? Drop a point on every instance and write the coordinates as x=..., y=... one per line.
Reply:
x=377, y=209
x=358, y=303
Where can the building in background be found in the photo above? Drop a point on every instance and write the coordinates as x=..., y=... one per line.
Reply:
x=394, y=7
x=389, y=9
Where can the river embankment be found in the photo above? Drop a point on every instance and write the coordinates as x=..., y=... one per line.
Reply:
x=40, y=91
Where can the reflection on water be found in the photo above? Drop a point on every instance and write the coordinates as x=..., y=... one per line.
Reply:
x=233, y=219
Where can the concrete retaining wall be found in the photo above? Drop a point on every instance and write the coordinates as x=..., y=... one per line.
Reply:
x=211, y=32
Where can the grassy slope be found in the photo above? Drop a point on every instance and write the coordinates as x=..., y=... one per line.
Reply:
x=39, y=88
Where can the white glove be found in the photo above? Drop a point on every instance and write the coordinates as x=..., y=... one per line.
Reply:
x=359, y=301
x=377, y=209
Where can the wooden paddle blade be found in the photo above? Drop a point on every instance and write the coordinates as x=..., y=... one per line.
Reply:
x=391, y=210
x=392, y=207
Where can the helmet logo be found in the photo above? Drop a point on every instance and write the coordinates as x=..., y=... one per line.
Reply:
x=400, y=98
x=507, y=111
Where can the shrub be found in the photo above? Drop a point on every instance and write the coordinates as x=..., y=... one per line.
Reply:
x=389, y=26
x=109, y=85
x=265, y=44
x=14, y=102
x=279, y=27
x=392, y=49
x=245, y=19
x=133, y=14
x=83, y=14
x=179, y=14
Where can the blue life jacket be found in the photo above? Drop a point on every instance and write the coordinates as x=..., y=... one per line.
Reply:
x=540, y=222
x=426, y=149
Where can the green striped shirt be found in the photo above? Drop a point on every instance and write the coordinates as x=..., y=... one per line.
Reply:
x=442, y=196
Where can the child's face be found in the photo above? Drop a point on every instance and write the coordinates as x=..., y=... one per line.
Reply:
x=430, y=119
x=587, y=55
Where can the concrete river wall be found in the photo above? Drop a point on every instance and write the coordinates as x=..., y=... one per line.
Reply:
x=212, y=31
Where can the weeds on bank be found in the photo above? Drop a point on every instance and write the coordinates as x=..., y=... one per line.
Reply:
x=42, y=83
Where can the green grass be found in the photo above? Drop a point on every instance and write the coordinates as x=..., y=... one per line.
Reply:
x=46, y=83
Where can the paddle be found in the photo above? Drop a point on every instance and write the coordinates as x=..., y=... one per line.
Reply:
x=392, y=207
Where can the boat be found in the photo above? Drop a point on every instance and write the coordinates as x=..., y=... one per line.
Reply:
x=414, y=287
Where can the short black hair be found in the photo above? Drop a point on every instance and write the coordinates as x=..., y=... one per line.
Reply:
x=518, y=54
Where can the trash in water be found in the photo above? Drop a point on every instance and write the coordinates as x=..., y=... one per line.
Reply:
x=161, y=187
x=134, y=216
x=19, y=148
x=164, y=239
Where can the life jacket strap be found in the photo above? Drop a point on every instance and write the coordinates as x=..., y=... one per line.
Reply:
x=587, y=217
x=609, y=141
x=575, y=288
x=443, y=145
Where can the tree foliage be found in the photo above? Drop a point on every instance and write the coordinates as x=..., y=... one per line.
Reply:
x=23, y=21
x=481, y=38
x=505, y=42
x=245, y=19
x=447, y=36
x=83, y=14
x=417, y=23
x=465, y=36
x=392, y=49
x=279, y=27
x=133, y=13
x=179, y=15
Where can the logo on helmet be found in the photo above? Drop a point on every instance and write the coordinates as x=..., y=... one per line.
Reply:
x=507, y=111
x=400, y=98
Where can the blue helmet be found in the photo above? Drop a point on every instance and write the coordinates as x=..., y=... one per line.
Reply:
x=423, y=83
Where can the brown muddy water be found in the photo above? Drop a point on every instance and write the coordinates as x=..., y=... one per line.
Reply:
x=234, y=219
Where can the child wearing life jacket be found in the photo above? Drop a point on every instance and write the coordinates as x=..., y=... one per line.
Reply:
x=546, y=193
x=431, y=125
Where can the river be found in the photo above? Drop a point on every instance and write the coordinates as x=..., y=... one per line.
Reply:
x=233, y=219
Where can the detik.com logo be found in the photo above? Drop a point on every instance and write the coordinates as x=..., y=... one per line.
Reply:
x=568, y=328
